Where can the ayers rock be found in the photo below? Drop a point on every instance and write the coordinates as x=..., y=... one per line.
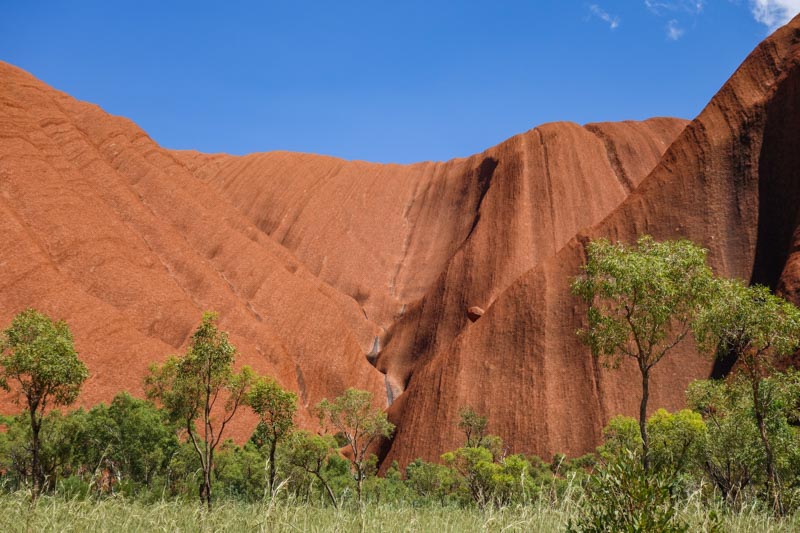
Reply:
x=433, y=285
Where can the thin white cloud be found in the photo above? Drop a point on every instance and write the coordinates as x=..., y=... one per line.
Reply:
x=678, y=12
x=612, y=20
x=660, y=7
x=774, y=13
x=674, y=32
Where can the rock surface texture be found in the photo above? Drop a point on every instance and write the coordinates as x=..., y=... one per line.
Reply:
x=330, y=274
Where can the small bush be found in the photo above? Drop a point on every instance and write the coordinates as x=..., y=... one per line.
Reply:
x=621, y=496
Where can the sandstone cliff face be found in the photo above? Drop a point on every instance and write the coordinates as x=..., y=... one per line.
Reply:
x=330, y=274
x=418, y=245
x=730, y=181
x=314, y=263
x=103, y=228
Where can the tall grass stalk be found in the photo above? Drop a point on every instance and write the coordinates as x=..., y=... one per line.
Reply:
x=284, y=513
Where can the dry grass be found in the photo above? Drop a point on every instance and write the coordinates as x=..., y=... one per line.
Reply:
x=53, y=513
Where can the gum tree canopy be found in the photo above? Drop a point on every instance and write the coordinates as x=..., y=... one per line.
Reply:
x=202, y=388
x=757, y=327
x=642, y=302
x=38, y=359
x=353, y=416
x=275, y=408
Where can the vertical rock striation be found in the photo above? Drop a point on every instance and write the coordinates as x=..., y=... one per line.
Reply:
x=434, y=285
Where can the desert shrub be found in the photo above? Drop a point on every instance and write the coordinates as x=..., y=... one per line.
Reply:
x=622, y=496
x=484, y=480
x=240, y=472
x=59, y=444
x=431, y=482
x=389, y=488
x=677, y=443
x=733, y=457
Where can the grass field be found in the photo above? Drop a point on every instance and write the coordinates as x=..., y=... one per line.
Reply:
x=116, y=514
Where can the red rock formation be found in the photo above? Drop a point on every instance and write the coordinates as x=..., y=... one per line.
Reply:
x=469, y=227
x=417, y=244
x=320, y=266
x=475, y=312
x=105, y=229
x=730, y=181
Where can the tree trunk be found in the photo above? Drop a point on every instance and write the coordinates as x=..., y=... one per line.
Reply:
x=328, y=489
x=359, y=480
x=643, y=419
x=207, y=489
x=208, y=438
x=36, y=468
x=273, y=445
x=207, y=476
x=773, y=487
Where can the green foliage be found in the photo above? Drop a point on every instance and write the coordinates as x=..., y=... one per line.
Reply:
x=134, y=436
x=643, y=301
x=749, y=321
x=475, y=468
x=308, y=455
x=184, y=471
x=143, y=440
x=622, y=496
x=59, y=443
x=86, y=457
x=511, y=481
x=38, y=359
x=239, y=471
x=484, y=479
x=474, y=427
x=187, y=385
x=621, y=435
x=190, y=386
x=389, y=488
x=642, y=298
x=431, y=481
x=677, y=441
x=757, y=327
x=360, y=424
x=734, y=457
x=275, y=408
x=124, y=446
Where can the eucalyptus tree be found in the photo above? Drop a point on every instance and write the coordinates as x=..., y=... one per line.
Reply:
x=201, y=387
x=473, y=425
x=353, y=416
x=38, y=360
x=757, y=327
x=311, y=454
x=275, y=408
x=643, y=299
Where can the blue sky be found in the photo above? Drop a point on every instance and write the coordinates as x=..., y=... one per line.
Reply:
x=397, y=81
